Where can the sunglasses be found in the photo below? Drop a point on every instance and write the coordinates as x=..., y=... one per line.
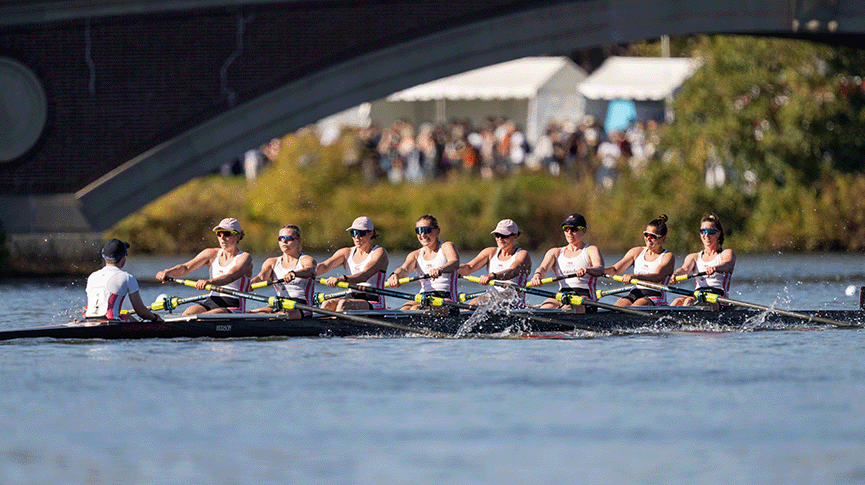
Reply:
x=652, y=235
x=226, y=233
x=502, y=236
x=358, y=233
x=573, y=228
x=423, y=229
x=709, y=231
x=287, y=238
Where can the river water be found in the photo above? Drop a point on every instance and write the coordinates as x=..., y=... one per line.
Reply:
x=757, y=407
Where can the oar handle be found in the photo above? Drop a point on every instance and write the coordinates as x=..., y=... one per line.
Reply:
x=409, y=279
x=682, y=277
x=552, y=279
x=262, y=284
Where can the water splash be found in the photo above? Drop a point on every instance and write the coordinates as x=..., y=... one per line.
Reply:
x=493, y=302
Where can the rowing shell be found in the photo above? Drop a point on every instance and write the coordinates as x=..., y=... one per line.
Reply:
x=253, y=325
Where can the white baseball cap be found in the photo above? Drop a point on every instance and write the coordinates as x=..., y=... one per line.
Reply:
x=506, y=227
x=362, y=223
x=228, y=224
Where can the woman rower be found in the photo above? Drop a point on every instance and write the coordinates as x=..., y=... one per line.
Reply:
x=505, y=262
x=579, y=259
x=717, y=263
x=439, y=260
x=229, y=267
x=364, y=263
x=651, y=263
x=293, y=272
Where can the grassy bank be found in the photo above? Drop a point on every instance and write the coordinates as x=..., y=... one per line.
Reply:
x=320, y=190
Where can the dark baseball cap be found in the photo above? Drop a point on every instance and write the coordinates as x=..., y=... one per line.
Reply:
x=114, y=249
x=575, y=220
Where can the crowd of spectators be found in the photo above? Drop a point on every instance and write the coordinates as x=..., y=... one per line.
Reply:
x=498, y=148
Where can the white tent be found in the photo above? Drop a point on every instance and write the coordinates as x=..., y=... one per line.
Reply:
x=638, y=78
x=530, y=91
x=647, y=81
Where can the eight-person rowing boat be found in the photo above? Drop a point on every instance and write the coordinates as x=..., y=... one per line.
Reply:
x=361, y=312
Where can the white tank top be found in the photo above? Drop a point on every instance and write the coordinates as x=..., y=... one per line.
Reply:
x=497, y=265
x=565, y=265
x=641, y=266
x=298, y=288
x=376, y=280
x=445, y=282
x=240, y=284
x=106, y=290
x=716, y=280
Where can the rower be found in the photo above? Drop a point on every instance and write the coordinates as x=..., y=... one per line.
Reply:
x=107, y=287
x=438, y=259
x=293, y=271
x=717, y=263
x=505, y=262
x=364, y=263
x=229, y=267
x=651, y=263
x=577, y=258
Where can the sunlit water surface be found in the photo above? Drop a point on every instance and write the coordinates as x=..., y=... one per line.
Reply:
x=757, y=407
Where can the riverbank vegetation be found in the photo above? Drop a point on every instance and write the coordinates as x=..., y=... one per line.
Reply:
x=782, y=120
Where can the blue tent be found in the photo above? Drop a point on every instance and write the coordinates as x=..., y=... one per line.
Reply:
x=620, y=114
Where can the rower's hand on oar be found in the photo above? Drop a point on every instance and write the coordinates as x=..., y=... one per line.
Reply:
x=536, y=280
x=201, y=284
x=485, y=279
x=161, y=276
x=393, y=281
x=626, y=278
x=334, y=280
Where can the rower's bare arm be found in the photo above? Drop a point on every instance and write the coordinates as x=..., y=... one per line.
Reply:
x=140, y=308
x=545, y=267
x=595, y=260
x=307, y=267
x=203, y=258
x=728, y=261
x=266, y=272
x=452, y=257
x=407, y=266
x=626, y=262
x=477, y=262
x=688, y=265
x=332, y=262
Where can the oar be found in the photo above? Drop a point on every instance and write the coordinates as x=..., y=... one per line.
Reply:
x=438, y=301
x=715, y=298
x=465, y=297
x=262, y=284
x=551, y=279
x=321, y=297
x=568, y=298
x=169, y=303
x=291, y=304
x=403, y=281
x=615, y=291
x=682, y=277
